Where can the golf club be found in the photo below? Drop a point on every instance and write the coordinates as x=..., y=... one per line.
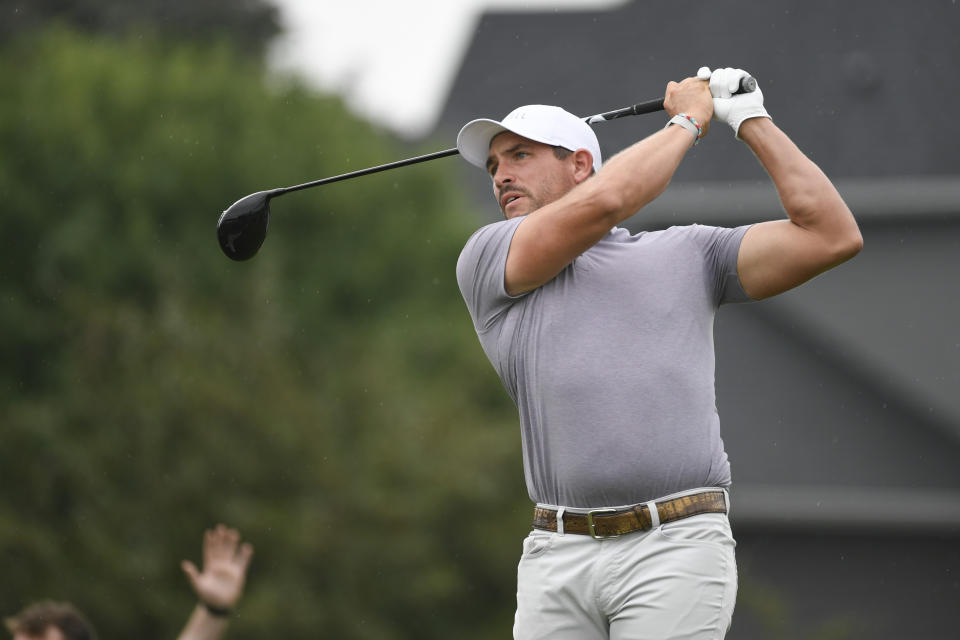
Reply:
x=242, y=227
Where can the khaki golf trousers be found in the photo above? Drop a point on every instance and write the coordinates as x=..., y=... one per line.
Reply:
x=677, y=580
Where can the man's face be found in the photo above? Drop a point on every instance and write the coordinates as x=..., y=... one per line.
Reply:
x=526, y=175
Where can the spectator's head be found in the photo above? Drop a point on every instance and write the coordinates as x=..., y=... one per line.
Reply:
x=49, y=620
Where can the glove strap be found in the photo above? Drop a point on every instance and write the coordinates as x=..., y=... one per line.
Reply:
x=689, y=123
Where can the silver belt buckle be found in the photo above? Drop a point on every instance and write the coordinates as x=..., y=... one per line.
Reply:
x=591, y=527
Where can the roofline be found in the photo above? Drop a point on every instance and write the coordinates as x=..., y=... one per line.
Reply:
x=840, y=509
x=873, y=200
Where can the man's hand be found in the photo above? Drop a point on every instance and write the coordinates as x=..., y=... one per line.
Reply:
x=225, y=563
x=692, y=97
x=730, y=107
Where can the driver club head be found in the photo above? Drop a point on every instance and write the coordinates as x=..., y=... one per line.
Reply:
x=242, y=228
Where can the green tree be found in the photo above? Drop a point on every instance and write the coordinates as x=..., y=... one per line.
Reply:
x=249, y=24
x=328, y=398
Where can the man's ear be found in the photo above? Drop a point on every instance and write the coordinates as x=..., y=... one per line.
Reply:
x=582, y=165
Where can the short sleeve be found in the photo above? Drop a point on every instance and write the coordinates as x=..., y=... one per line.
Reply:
x=480, y=272
x=721, y=247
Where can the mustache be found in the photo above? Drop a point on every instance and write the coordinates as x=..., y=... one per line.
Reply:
x=511, y=188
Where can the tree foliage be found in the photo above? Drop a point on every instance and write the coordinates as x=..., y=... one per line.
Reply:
x=249, y=24
x=328, y=397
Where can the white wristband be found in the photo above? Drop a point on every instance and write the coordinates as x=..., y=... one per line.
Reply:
x=689, y=123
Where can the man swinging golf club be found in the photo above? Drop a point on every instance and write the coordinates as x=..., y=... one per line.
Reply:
x=604, y=340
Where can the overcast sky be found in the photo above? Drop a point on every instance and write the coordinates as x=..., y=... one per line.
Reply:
x=393, y=60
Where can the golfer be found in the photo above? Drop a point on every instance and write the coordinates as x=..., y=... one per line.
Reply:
x=604, y=340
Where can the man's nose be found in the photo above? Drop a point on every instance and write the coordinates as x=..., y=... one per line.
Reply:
x=501, y=177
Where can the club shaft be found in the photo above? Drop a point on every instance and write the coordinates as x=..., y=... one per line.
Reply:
x=364, y=172
x=650, y=106
x=644, y=107
x=747, y=85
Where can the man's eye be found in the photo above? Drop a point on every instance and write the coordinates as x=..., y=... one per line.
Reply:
x=521, y=154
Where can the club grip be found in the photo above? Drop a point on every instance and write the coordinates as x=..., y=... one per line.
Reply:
x=748, y=84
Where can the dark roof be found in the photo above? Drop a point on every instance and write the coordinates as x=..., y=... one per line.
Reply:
x=864, y=87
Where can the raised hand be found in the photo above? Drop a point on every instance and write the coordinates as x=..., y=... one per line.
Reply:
x=728, y=105
x=225, y=562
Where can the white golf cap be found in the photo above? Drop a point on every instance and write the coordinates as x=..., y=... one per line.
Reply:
x=538, y=122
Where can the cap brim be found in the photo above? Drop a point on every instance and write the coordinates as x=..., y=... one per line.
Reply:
x=474, y=138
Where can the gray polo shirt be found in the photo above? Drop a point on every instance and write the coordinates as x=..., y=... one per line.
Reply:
x=611, y=363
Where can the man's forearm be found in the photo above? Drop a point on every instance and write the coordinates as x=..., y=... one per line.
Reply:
x=808, y=197
x=639, y=174
x=203, y=625
x=554, y=235
x=821, y=233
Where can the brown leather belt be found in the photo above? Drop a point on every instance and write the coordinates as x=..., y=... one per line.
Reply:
x=610, y=523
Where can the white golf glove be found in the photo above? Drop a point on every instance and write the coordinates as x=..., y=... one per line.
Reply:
x=727, y=106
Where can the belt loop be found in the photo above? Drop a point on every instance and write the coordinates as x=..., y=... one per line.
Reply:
x=654, y=514
x=560, y=520
x=726, y=497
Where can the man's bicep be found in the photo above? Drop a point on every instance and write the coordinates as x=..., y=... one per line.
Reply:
x=778, y=255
